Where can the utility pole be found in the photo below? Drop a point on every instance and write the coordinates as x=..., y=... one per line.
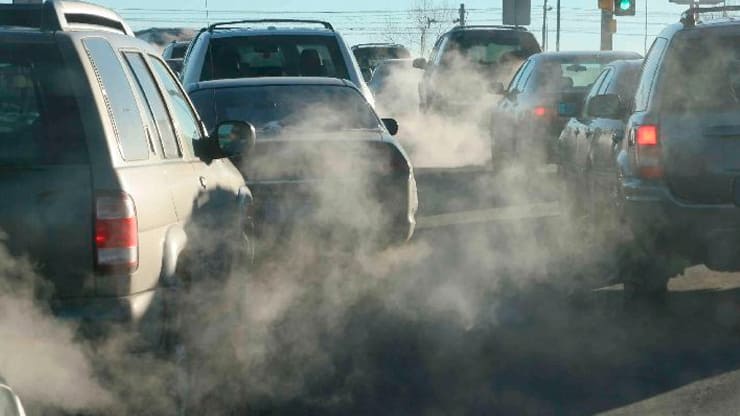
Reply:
x=544, y=26
x=607, y=29
x=461, y=20
x=557, y=32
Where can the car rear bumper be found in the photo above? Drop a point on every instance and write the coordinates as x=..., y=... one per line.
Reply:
x=124, y=309
x=706, y=234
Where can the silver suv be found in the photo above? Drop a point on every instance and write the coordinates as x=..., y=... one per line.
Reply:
x=105, y=167
x=258, y=48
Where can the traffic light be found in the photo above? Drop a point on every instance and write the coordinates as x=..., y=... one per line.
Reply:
x=624, y=7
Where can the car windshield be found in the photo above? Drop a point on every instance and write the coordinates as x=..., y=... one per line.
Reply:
x=489, y=47
x=39, y=121
x=274, y=56
x=566, y=75
x=702, y=73
x=370, y=57
x=274, y=108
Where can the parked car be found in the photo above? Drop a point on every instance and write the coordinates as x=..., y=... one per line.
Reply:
x=589, y=143
x=546, y=91
x=678, y=167
x=174, y=53
x=232, y=50
x=393, y=85
x=10, y=404
x=369, y=55
x=468, y=59
x=104, y=164
x=323, y=158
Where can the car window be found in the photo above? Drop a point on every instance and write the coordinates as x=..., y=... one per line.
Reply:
x=274, y=56
x=156, y=105
x=39, y=116
x=489, y=47
x=649, y=68
x=701, y=73
x=186, y=122
x=565, y=76
x=370, y=57
x=274, y=108
x=119, y=98
x=597, y=88
x=518, y=76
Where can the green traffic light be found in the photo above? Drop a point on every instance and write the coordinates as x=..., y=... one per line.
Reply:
x=625, y=5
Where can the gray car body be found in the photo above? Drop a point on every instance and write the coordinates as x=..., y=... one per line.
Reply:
x=47, y=211
x=694, y=206
x=588, y=145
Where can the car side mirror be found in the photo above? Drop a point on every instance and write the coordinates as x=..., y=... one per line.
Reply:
x=605, y=106
x=234, y=138
x=420, y=63
x=497, y=88
x=391, y=125
x=175, y=65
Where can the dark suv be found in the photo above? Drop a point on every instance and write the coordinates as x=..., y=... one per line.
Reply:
x=466, y=60
x=679, y=168
x=105, y=167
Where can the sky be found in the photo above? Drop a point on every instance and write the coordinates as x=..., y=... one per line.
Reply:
x=361, y=21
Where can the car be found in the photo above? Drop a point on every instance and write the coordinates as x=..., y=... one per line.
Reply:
x=174, y=53
x=323, y=158
x=394, y=85
x=547, y=90
x=260, y=48
x=588, y=145
x=105, y=169
x=369, y=55
x=466, y=60
x=678, y=167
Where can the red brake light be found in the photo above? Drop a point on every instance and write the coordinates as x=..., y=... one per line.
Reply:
x=541, y=111
x=647, y=135
x=116, y=233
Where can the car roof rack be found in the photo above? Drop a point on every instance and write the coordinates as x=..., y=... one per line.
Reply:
x=489, y=27
x=692, y=16
x=361, y=45
x=326, y=25
x=63, y=15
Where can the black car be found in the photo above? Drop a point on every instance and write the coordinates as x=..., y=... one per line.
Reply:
x=679, y=166
x=465, y=60
x=369, y=55
x=589, y=143
x=322, y=159
x=545, y=92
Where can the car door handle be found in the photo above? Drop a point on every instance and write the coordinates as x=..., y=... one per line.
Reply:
x=203, y=182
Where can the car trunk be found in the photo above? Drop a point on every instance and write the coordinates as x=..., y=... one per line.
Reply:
x=699, y=125
x=46, y=214
x=45, y=179
x=701, y=152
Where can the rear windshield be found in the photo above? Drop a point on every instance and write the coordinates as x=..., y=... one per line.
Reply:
x=274, y=56
x=566, y=75
x=39, y=117
x=490, y=47
x=702, y=73
x=274, y=108
x=370, y=57
x=178, y=50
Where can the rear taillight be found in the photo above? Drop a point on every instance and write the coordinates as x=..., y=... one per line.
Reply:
x=648, y=152
x=116, y=233
x=541, y=111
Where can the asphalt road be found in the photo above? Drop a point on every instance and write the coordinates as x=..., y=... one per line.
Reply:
x=508, y=313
